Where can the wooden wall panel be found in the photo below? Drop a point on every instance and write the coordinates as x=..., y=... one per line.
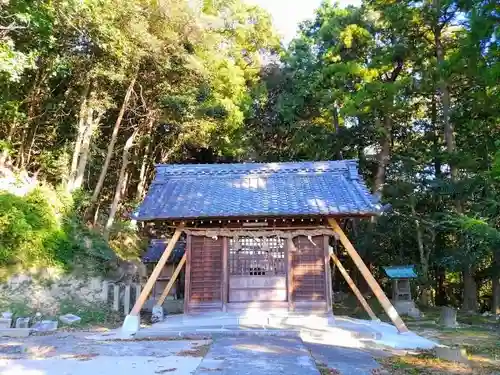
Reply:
x=308, y=264
x=257, y=288
x=206, y=274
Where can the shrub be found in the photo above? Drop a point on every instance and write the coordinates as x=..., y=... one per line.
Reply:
x=41, y=230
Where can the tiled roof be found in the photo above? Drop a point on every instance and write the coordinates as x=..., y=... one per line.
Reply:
x=400, y=272
x=156, y=248
x=192, y=191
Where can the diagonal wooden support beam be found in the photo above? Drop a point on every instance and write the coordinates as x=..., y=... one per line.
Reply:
x=353, y=287
x=156, y=272
x=375, y=287
x=171, y=281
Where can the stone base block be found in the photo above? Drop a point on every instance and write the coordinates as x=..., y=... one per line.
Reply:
x=157, y=314
x=452, y=354
x=5, y=323
x=15, y=332
x=131, y=324
x=406, y=308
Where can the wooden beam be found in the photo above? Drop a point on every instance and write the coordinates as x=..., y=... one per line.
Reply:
x=187, y=275
x=328, y=274
x=353, y=287
x=289, y=272
x=375, y=287
x=156, y=272
x=225, y=272
x=171, y=281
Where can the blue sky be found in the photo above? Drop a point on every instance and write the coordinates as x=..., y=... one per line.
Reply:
x=287, y=14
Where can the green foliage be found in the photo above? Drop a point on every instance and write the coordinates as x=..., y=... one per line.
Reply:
x=39, y=230
x=91, y=314
x=409, y=88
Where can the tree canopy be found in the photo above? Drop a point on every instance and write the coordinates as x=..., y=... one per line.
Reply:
x=95, y=92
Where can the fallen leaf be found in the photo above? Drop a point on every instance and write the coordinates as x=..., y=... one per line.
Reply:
x=166, y=370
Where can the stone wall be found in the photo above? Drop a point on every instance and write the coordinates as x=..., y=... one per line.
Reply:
x=45, y=294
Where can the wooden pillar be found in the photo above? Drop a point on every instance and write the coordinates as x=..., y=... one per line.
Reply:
x=372, y=283
x=187, y=276
x=353, y=287
x=289, y=272
x=328, y=275
x=137, y=291
x=171, y=281
x=156, y=272
x=225, y=273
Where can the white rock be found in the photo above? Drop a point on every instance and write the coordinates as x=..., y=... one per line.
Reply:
x=69, y=318
x=45, y=326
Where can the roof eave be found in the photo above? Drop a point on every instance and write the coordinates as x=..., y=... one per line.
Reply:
x=266, y=216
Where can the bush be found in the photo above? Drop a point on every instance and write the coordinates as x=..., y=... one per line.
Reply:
x=40, y=230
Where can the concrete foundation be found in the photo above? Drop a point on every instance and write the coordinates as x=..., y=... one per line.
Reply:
x=274, y=319
x=131, y=324
x=339, y=331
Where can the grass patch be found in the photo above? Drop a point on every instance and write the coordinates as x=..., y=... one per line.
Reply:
x=426, y=363
x=199, y=351
x=325, y=370
x=350, y=306
x=479, y=335
x=92, y=315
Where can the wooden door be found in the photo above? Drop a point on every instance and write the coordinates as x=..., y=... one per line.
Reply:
x=309, y=269
x=257, y=269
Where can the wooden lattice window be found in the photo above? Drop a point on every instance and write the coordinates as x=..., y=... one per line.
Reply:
x=263, y=256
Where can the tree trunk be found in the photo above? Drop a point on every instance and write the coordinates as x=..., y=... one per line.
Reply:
x=449, y=133
x=119, y=185
x=79, y=138
x=144, y=164
x=92, y=122
x=495, y=302
x=384, y=154
x=34, y=101
x=436, y=140
x=426, y=295
x=4, y=155
x=112, y=143
x=386, y=136
x=141, y=186
x=336, y=125
x=441, y=297
x=96, y=215
x=124, y=185
x=20, y=153
x=32, y=143
x=470, y=290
